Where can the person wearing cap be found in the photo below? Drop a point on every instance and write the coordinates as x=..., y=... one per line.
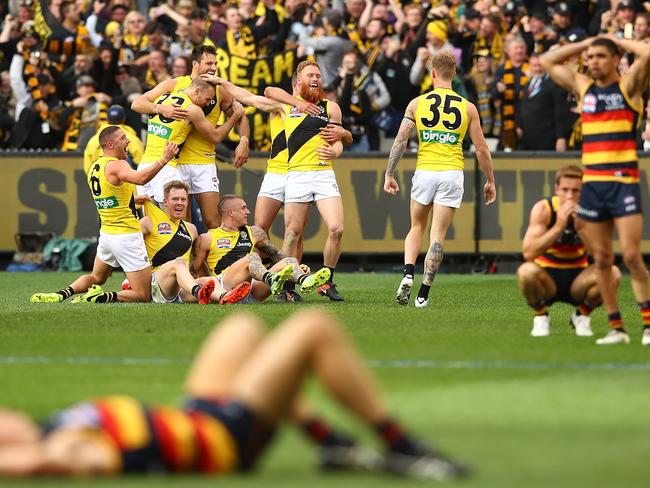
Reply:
x=562, y=25
x=83, y=114
x=115, y=115
x=537, y=36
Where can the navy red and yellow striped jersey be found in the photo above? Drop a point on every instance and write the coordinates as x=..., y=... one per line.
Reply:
x=568, y=251
x=609, y=124
x=155, y=438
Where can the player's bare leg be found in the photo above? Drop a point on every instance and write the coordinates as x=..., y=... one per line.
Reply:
x=412, y=243
x=441, y=218
x=331, y=211
x=295, y=217
x=629, y=230
x=266, y=210
x=585, y=292
x=208, y=203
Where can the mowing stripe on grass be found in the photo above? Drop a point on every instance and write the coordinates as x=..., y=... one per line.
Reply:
x=375, y=363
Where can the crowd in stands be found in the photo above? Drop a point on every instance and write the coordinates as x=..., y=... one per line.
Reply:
x=63, y=63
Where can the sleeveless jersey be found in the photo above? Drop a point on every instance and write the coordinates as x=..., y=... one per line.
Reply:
x=154, y=438
x=160, y=129
x=278, y=158
x=227, y=247
x=197, y=149
x=115, y=204
x=609, y=124
x=441, y=121
x=303, y=137
x=568, y=251
x=169, y=239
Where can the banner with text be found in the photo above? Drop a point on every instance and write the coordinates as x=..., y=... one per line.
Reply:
x=51, y=194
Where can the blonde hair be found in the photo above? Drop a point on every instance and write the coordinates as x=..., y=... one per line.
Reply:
x=175, y=185
x=569, y=171
x=444, y=64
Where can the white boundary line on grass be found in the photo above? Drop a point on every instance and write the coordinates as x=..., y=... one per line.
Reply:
x=375, y=363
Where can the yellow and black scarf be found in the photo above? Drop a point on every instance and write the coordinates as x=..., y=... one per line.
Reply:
x=241, y=43
x=36, y=90
x=71, y=140
x=496, y=48
x=510, y=95
x=483, y=84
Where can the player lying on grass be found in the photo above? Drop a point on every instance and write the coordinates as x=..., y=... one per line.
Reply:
x=240, y=387
x=228, y=252
x=556, y=267
x=169, y=241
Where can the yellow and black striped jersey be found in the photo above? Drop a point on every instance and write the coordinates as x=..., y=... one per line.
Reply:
x=169, y=239
x=279, y=156
x=160, y=129
x=228, y=247
x=303, y=137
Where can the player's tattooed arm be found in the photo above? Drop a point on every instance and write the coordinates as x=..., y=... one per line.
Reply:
x=264, y=246
x=401, y=141
x=200, y=251
x=432, y=263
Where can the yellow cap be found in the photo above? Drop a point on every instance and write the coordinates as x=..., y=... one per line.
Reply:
x=438, y=28
x=111, y=28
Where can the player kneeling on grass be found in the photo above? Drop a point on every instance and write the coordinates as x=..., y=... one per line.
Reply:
x=241, y=386
x=169, y=241
x=228, y=252
x=556, y=267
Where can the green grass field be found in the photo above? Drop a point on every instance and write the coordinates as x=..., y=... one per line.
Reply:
x=463, y=374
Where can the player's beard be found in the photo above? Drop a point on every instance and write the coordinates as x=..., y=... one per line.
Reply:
x=308, y=94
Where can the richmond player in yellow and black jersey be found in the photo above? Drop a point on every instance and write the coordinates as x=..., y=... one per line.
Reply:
x=192, y=99
x=556, y=267
x=197, y=160
x=228, y=253
x=441, y=118
x=112, y=185
x=169, y=241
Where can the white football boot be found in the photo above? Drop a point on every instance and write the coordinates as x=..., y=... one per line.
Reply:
x=614, y=336
x=541, y=326
x=404, y=290
x=581, y=324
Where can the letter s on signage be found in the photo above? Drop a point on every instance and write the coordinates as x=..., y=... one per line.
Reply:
x=30, y=195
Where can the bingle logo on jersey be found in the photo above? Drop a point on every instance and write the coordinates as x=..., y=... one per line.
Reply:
x=589, y=103
x=223, y=243
x=164, y=228
x=159, y=130
x=439, y=136
x=105, y=203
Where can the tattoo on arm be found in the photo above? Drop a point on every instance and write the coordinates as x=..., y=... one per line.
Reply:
x=264, y=245
x=432, y=263
x=400, y=144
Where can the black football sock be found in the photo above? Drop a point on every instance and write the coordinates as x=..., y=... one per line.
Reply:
x=267, y=278
x=331, y=280
x=395, y=438
x=106, y=297
x=67, y=292
x=424, y=291
x=409, y=270
x=323, y=435
x=195, y=291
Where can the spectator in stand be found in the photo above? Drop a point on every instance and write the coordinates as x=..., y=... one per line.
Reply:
x=413, y=19
x=645, y=130
x=351, y=16
x=244, y=41
x=391, y=14
x=479, y=87
x=510, y=82
x=218, y=28
x=83, y=115
x=157, y=41
x=535, y=33
x=489, y=37
x=544, y=117
x=156, y=70
x=642, y=27
x=181, y=66
x=371, y=47
x=465, y=37
x=198, y=33
x=564, y=29
x=355, y=105
x=69, y=37
x=134, y=39
x=298, y=17
x=181, y=45
x=328, y=47
x=67, y=80
x=623, y=23
x=436, y=41
x=7, y=106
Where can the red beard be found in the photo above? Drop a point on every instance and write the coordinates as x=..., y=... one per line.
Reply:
x=309, y=95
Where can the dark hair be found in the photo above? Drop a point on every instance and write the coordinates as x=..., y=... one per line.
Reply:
x=224, y=202
x=65, y=6
x=200, y=50
x=607, y=44
x=106, y=135
x=153, y=27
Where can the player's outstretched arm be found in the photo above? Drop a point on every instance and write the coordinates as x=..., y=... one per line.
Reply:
x=635, y=81
x=482, y=154
x=214, y=134
x=399, y=147
x=244, y=96
x=264, y=245
x=243, y=129
x=123, y=172
x=553, y=62
x=279, y=95
x=144, y=104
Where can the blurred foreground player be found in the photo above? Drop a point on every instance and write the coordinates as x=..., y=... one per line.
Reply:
x=556, y=267
x=241, y=386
